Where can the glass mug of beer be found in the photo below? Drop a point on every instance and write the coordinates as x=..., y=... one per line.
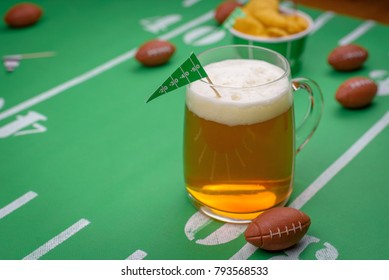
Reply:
x=240, y=140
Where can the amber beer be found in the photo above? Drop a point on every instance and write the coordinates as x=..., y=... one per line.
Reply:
x=239, y=148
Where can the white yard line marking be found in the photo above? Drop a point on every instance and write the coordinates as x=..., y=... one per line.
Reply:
x=198, y=221
x=224, y=234
x=137, y=255
x=358, y=32
x=179, y=30
x=247, y=250
x=98, y=70
x=67, y=85
x=57, y=240
x=341, y=162
x=322, y=20
x=16, y=204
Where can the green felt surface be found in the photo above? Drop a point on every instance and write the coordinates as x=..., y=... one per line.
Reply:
x=108, y=157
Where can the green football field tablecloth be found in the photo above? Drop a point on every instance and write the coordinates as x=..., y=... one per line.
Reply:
x=88, y=170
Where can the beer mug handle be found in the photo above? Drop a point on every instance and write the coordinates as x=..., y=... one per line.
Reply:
x=312, y=117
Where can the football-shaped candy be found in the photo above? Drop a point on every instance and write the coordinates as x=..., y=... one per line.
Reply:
x=348, y=57
x=155, y=52
x=278, y=228
x=356, y=92
x=224, y=10
x=22, y=15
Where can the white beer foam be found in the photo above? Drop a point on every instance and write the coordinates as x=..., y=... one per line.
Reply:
x=248, y=94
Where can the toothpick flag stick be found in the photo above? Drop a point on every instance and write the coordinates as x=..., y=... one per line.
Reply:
x=29, y=55
x=214, y=89
x=12, y=61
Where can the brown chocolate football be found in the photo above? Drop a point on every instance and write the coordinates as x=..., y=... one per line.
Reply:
x=348, y=57
x=22, y=15
x=155, y=52
x=357, y=92
x=278, y=228
x=224, y=10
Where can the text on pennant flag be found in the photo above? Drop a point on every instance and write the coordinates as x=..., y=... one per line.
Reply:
x=189, y=71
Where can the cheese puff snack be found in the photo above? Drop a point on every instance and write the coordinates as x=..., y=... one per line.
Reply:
x=265, y=19
x=295, y=24
x=271, y=18
x=260, y=5
x=249, y=25
x=276, y=32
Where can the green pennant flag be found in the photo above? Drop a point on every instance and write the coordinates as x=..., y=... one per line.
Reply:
x=189, y=71
x=229, y=22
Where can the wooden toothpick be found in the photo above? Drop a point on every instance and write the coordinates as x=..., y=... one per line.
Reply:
x=29, y=55
x=212, y=87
